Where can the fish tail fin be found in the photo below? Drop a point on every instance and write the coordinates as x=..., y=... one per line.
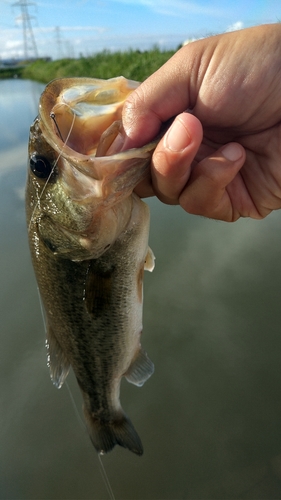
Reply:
x=105, y=435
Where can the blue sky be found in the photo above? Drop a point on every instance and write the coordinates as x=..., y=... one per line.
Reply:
x=65, y=28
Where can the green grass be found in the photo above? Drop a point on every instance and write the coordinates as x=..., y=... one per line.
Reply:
x=132, y=64
x=10, y=73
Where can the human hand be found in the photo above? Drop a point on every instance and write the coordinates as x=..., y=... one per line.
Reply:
x=223, y=158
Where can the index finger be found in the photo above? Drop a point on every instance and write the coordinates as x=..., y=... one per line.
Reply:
x=163, y=95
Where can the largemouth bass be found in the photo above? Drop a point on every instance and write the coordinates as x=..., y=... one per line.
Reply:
x=88, y=236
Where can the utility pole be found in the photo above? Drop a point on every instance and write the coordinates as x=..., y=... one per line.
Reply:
x=58, y=41
x=29, y=44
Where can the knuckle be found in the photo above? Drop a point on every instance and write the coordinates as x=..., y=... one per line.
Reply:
x=135, y=101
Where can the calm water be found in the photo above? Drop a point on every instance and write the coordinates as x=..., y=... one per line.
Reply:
x=209, y=418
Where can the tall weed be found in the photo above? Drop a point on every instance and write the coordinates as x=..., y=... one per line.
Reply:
x=133, y=64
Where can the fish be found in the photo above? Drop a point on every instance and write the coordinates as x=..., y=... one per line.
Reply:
x=88, y=237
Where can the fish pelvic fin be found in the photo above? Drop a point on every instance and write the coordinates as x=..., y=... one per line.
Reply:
x=57, y=361
x=106, y=434
x=140, y=369
x=149, y=263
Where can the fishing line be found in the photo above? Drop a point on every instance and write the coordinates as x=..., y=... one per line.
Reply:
x=42, y=310
x=78, y=416
x=52, y=115
x=102, y=468
x=82, y=423
x=76, y=411
x=105, y=478
x=80, y=420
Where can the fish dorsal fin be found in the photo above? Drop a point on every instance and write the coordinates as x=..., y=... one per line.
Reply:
x=140, y=370
x=149, y=260
x=57, y=361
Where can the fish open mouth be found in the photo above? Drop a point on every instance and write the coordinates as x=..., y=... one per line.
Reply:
x=80, y=119
x=77, y=112
x=82, y=131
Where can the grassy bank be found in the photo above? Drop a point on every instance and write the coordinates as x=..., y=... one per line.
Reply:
x=10, y=73
x=132, y=64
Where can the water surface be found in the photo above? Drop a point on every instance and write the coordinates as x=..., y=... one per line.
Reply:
x=209, y=418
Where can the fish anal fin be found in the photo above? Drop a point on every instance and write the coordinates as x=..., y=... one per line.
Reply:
x=106, y=434
x=140, y=370
x=56, y=360
x=149, y=263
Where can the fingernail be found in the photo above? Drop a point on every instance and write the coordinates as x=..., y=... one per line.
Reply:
x=232, y=152
x=178, y=137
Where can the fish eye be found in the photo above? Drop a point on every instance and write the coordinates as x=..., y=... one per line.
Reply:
x=40, y=166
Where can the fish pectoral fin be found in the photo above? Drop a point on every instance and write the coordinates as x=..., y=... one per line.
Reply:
x=149, y=262
x=57, y=361
x=140, y=370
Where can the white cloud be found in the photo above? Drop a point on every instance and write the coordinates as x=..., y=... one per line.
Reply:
x=177, y=7
x=81, y=39
x=97, y=29
x=235, y=26
x=13, y=44
x=11, y=40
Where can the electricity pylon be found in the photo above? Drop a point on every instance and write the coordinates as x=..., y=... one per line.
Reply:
x=29, y=44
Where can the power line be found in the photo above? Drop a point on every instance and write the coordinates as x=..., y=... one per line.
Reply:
x=29, y=45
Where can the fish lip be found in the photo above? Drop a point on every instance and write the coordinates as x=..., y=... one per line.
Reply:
x=82, y=161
